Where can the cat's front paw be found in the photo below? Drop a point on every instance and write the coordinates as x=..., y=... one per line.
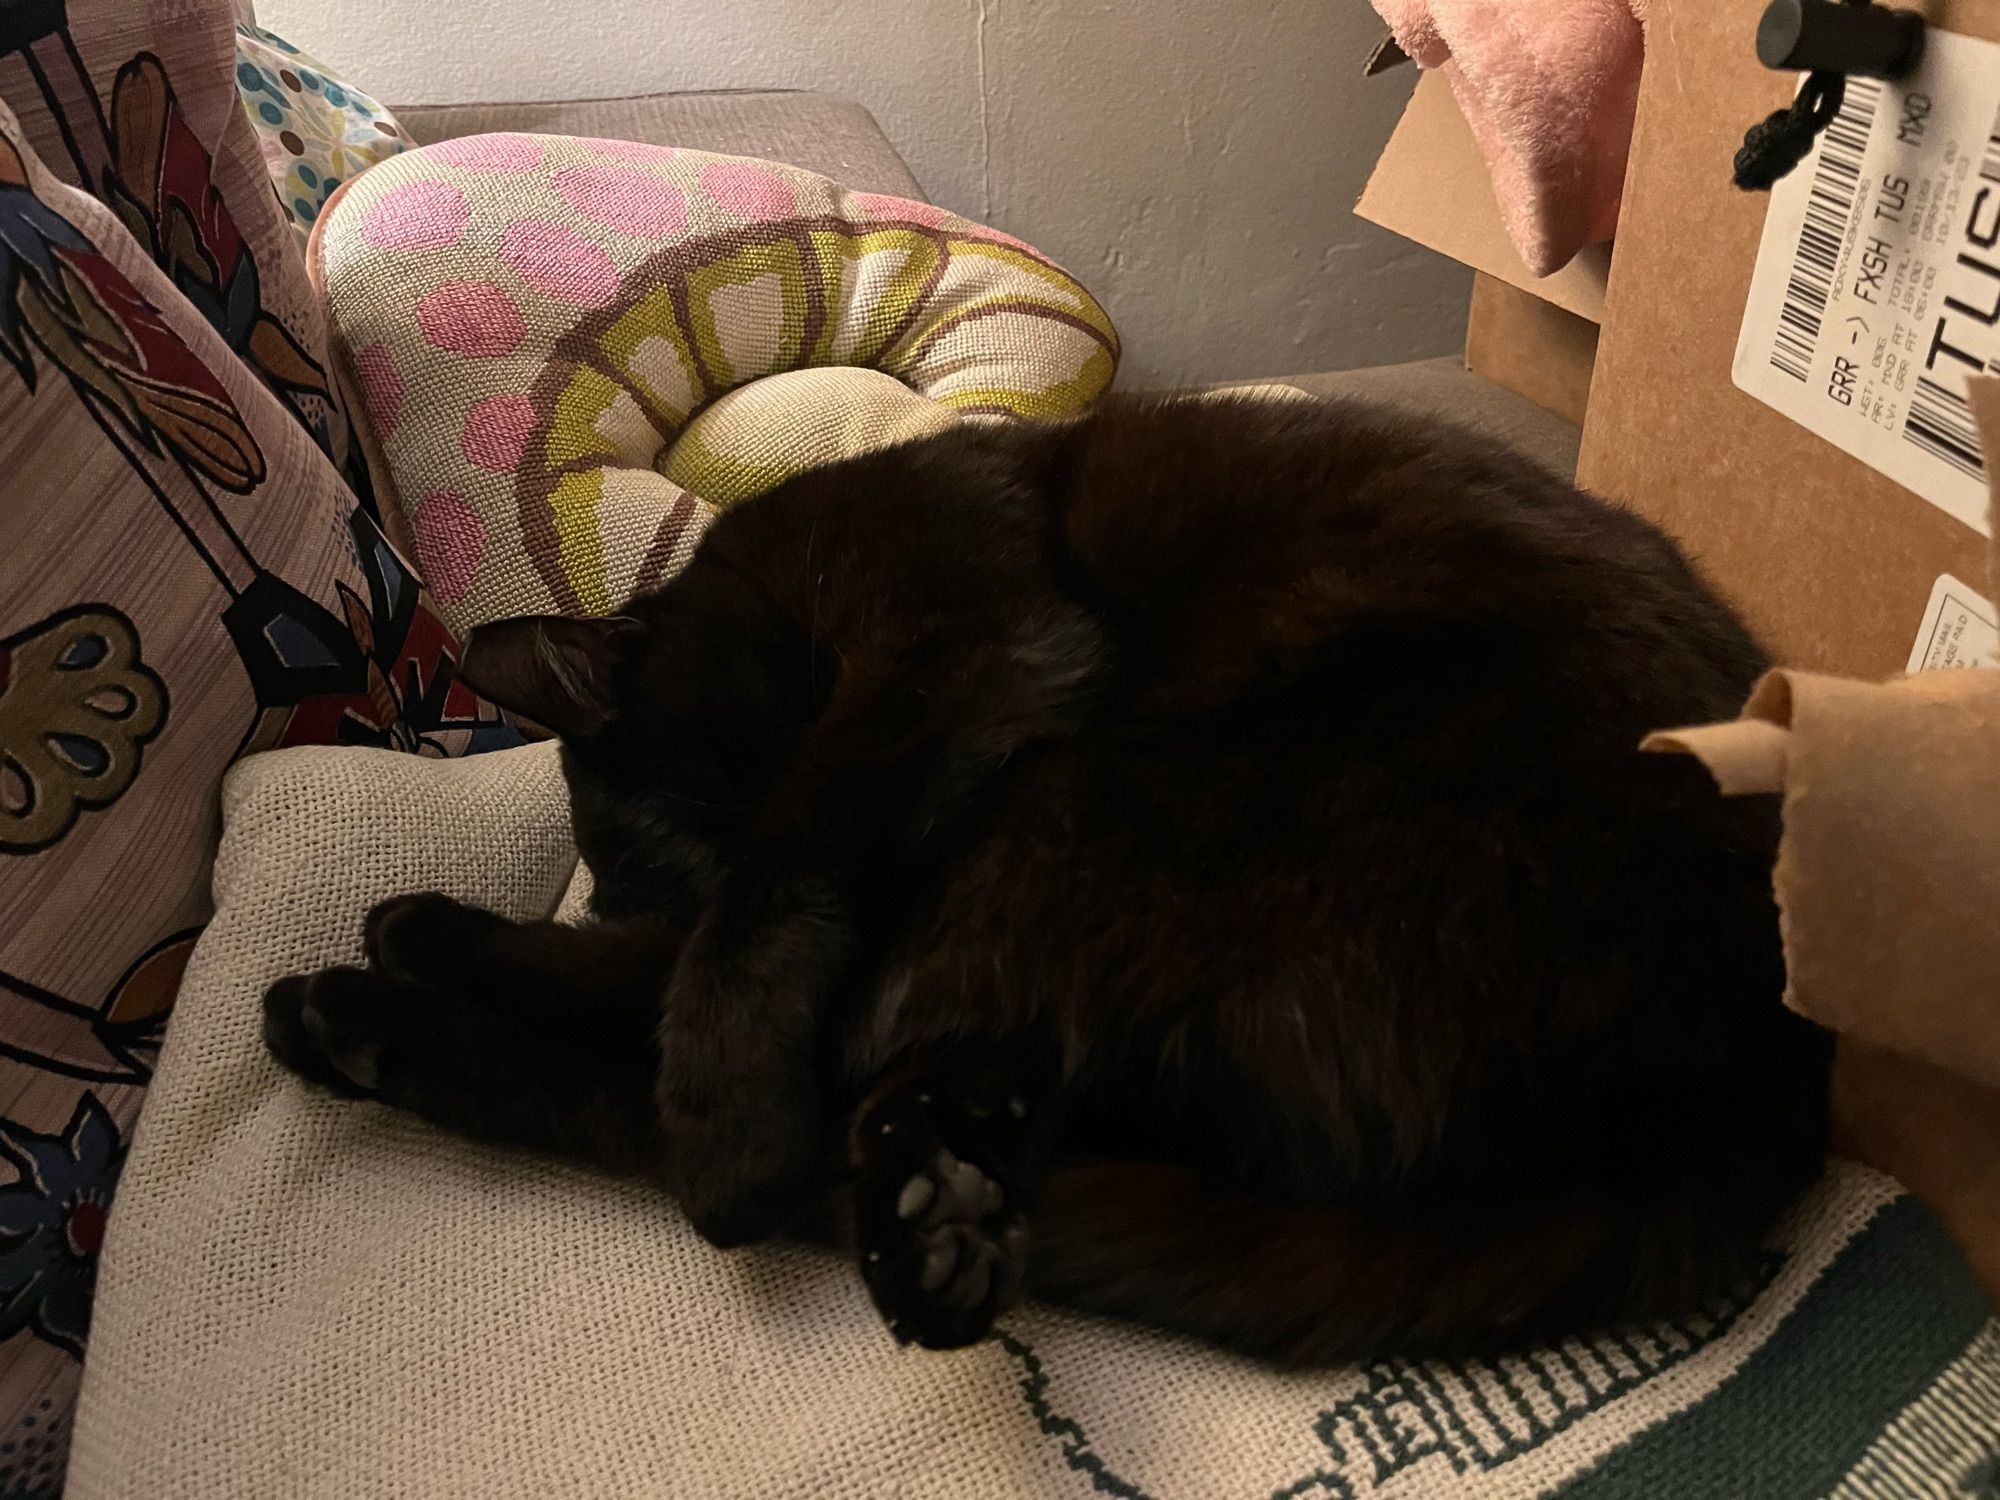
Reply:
x=293, y=1042
x=943, y=1243
x=431, y=939
x=333, y=1028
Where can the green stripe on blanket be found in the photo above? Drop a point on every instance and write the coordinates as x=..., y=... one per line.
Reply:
x=1804, y=1409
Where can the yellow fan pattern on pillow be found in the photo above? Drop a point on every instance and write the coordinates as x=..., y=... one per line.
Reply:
x=561, y=345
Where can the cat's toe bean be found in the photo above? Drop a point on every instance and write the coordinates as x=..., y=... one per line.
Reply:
x=974, y=1283
x=963, y=1190
x=940, y=1247
x=951, y=1283
x=940, y=1260
x=958, y=1269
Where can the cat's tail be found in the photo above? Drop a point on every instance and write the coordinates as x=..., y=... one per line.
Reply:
x=1309, y=1286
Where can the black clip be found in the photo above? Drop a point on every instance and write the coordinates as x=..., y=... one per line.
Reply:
x=1828, y=40
x=1810, y=36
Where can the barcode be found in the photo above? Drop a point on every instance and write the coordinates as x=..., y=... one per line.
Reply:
x=1940, y=423
x=1940, y=420
x=1836, y=181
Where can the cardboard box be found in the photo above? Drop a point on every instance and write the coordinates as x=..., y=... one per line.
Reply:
x=1531, y=347
x=1833, y=562
x=1431, y=185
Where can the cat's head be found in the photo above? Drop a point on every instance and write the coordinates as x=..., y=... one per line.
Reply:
x=676, y=717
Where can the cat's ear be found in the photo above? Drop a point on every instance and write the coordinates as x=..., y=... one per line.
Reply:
x=552, y=669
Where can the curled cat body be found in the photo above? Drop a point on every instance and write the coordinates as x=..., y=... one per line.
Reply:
x=1192, y=864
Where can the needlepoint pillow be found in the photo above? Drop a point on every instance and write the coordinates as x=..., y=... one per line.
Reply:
x=535, y=321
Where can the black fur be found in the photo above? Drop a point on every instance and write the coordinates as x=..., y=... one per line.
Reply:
x=1194, y=863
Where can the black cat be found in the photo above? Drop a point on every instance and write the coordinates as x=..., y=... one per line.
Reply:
x=1192, y=864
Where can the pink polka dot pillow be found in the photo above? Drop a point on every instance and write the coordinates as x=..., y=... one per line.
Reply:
x=536, y=322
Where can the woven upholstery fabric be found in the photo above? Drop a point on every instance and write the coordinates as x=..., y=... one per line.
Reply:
x=533, y=321
x=309, y=1297
x=1447, y=390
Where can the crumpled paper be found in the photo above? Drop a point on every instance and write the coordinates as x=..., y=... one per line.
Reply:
x=1888, y=876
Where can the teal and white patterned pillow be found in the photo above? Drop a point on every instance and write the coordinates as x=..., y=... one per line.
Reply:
x=317, y=130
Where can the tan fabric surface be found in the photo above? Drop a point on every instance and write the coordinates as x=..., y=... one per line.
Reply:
x=309, y=1297
x=835, y=137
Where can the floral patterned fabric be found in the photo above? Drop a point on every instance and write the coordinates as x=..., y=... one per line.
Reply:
x=317, y=129
x=185, y=576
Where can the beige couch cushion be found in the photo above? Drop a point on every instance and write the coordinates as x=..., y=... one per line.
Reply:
x=1445, y=388
x=306, y=1297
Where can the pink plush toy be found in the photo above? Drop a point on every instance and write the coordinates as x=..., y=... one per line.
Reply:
x=1549, y=88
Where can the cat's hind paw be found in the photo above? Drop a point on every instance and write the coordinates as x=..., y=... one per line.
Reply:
x=942, y=1243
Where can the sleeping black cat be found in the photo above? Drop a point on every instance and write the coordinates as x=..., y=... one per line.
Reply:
x=1193, y=864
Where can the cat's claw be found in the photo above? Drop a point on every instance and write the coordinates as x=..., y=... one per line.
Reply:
x=942, y=1246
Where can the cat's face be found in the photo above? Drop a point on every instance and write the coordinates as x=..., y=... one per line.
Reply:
x=676, y=719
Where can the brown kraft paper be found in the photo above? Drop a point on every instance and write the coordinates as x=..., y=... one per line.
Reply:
x=1888, y=875
x=1888, y=881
